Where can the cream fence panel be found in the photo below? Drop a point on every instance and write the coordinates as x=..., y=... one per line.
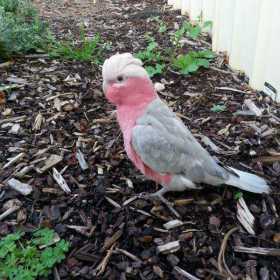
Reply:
x=248, y=31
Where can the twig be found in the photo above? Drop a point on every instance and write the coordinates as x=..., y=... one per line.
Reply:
x=102, y=266
x=113, y=202
x=185, y=273
x=268, y=159
x=221, y=257
x=220, y=70
x=112, y=240
x=21, y=173
x=10, y=207
x=231, y=89
x=140, y=211
x=129, y=255
x=35, y=55
x=9, y=212
x=14, y=160
x=258, y=251
x=7, y=87
x=13, y=119
x=128, y=201
x=252, y=107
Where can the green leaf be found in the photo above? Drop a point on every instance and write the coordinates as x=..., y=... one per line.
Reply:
x=207, y=54
x=154, y=70
x=195, y=31
x=238, y=195
x=43, y=237
x=8, y=244
x=218, y=108
x=208, y=24
x=193, y=67
x=203, y=62
x=152, y=45
x=23, y=260
x=162, y=28
x=192, y=61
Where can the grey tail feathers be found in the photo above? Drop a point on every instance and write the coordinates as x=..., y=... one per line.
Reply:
x=248, y=182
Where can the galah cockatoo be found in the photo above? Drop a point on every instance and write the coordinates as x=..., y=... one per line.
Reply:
x=157, y=141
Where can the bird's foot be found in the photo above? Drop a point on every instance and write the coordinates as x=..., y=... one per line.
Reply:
x=158, y=196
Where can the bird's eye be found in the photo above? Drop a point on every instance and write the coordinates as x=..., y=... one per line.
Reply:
x=120, y=78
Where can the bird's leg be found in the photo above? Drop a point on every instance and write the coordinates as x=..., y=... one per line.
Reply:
x=159, y=196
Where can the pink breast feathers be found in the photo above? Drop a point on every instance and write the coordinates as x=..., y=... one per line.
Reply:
x=127, y=120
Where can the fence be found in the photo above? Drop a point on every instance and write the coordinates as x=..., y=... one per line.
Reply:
x=248, y=31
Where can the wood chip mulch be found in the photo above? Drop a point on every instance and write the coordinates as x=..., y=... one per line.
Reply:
x=63, y=165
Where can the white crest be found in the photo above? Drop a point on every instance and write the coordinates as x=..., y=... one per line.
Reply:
x=122, y=64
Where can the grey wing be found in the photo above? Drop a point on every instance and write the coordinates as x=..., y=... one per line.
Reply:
x=166, y=145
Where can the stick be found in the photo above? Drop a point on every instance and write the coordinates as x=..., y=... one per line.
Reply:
x=258, y=251
x=185, y=273
x=14, y=160
x=102, y=266
x=221, y=257
x=129, y=255
x=252, y=107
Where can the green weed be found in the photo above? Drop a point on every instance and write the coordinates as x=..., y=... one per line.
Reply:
x=152, y=58
x=25, y=259
x=162, y=26
x=21, y=29
x=192, y=61
x=89, y=49
x=188, y=29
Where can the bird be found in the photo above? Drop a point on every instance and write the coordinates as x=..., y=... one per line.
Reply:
x=158, y=143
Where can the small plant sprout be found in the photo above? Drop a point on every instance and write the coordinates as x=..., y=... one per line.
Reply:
x=218, y=108
x=191, y=30
x=238, y=195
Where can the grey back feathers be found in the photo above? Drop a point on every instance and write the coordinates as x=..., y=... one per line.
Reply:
x=166, y=145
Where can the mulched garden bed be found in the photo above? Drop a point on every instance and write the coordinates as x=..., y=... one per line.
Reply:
x=56, y=115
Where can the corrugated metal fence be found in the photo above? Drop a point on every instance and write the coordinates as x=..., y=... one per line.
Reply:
x=248, y=31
